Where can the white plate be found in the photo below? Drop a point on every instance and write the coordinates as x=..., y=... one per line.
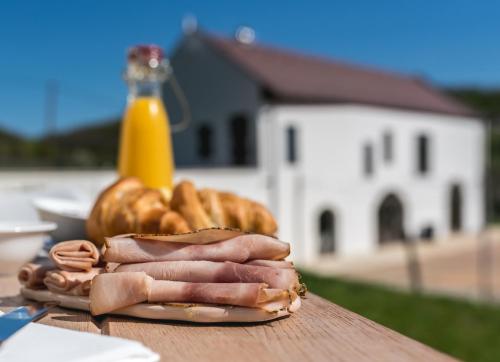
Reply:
x=64, y=207
x=20, y=242
x=25, y=227
x=69, y=215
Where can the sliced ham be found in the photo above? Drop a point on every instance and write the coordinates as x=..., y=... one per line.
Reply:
x=74, y=255
x=242, y=294
x=31, y=275
x=215, y=272
x=111, y=291
x=127, y=249
x=74, y=283
x=202, y=236
x=282, y=264
x=110, y=267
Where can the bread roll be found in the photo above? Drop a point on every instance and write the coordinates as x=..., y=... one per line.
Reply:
x=128, y=206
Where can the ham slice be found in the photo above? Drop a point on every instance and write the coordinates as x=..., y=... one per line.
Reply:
x=111, y=291
x=282, y=264
x=239, y=249
x=31, y=275
x=242, y=294
x=215, y=272
x=74, y=255
x=74, y=283
x=110, y=267
x=202, y=236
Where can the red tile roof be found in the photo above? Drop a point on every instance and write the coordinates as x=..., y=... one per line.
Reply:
x=296, y=78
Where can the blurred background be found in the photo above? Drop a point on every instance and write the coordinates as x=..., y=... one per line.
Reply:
x=370, y=129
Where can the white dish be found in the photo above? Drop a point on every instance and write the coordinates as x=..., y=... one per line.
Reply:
x=20, y=242
x=25, y=227
x=69, y=215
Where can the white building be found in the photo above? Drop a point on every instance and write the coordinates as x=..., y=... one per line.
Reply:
x=346, y=157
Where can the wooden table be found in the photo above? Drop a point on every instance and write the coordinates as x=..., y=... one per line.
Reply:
x=319, y=331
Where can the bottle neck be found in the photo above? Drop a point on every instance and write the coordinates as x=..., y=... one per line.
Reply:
x=149, y=88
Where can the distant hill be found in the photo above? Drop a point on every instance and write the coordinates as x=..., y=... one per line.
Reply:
x=485, y=101
x=93, y=146
x=13, y=147
x=90, y=146
x=6, y=136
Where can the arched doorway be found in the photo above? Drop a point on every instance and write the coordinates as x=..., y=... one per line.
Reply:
x=390, y=220
x=456, y=208
x=326, y=230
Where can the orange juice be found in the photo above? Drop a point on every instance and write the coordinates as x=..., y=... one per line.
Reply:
x=145, y=140
x=145, y=144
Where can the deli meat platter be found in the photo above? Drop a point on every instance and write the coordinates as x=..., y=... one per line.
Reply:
x=207, y=276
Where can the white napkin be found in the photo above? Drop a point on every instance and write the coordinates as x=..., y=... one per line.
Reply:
x=39, y=342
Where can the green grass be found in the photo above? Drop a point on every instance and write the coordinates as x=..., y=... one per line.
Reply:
x=466, y=330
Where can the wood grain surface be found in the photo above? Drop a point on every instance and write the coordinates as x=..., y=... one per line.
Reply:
x=319, y=331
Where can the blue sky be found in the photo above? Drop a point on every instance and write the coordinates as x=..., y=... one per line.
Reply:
x=82, y=44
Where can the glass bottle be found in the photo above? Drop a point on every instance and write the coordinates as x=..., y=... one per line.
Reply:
x=145, y=149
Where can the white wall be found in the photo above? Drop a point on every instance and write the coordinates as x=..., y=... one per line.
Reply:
x=329, y=173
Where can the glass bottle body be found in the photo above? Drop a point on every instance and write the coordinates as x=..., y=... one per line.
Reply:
x=145, y=140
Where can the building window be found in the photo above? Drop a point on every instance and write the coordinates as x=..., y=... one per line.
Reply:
x=327, y=232
x=291, y=144
x=205, y=141
x=387, y=146
x=456, y=201
x=423, y=154
x=239, y=140
x=368, y=166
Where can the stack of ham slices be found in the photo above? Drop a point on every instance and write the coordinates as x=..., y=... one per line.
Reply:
x=212, y=275
x=69, y=270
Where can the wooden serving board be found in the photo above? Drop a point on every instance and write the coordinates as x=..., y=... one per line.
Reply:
x=319, y=331
x=194, y=313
